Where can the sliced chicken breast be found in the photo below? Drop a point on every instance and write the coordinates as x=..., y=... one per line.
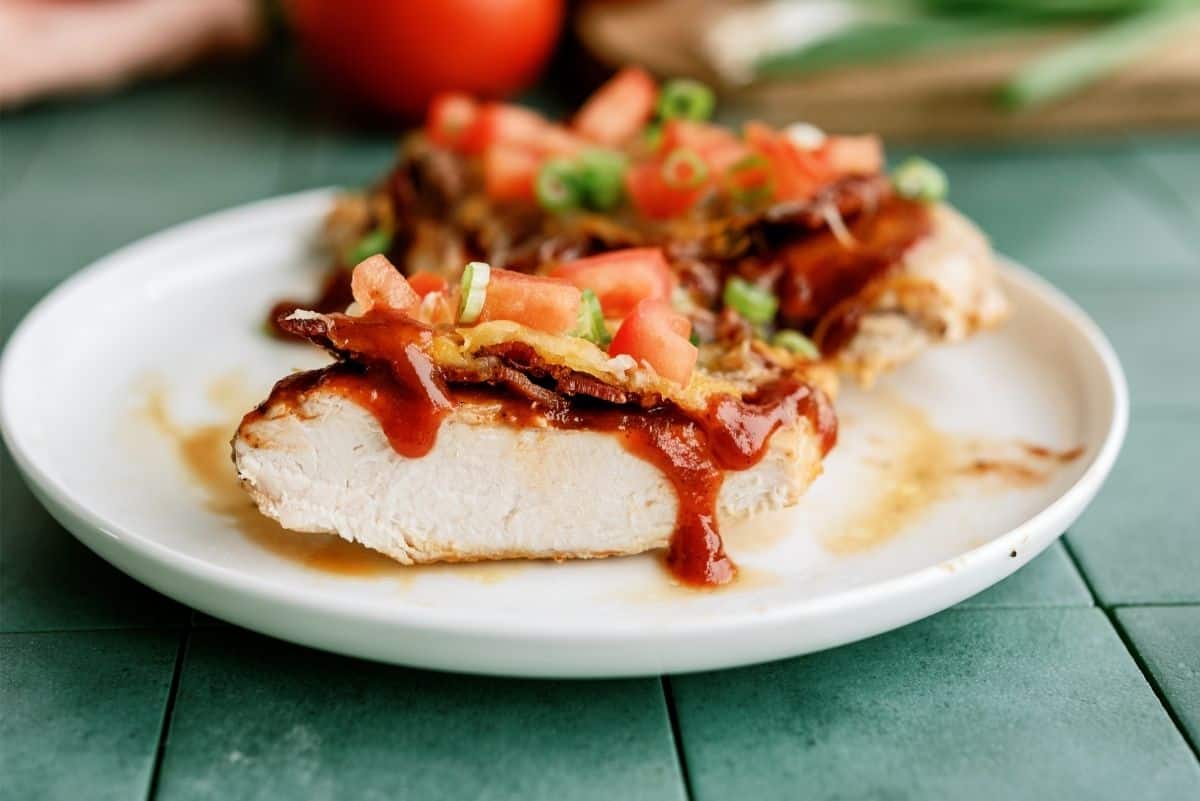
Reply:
x=487, y=489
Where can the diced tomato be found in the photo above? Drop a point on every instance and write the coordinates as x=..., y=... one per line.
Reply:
x=558, y=141
x=377, y=283
x=440, y=308
x=619, y=109
x=547, y=304
x=621, y=278
x=854, y=155
x=424, y=282
x=509, y=172
x=719, y=147
x=657, y=335
x=451, y=115
x=499, y=122
x=796, y=173
x=653, y=197
x=504, y=124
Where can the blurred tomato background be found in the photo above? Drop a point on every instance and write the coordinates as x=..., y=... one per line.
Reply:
x=395, y=55
x=907, y=69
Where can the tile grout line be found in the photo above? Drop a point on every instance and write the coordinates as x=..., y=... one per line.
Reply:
x=1109, y=612
x=168, y=714
x=1142, y=666
x=676, y=736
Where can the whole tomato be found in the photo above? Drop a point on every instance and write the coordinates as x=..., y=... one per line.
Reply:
x=395, y=55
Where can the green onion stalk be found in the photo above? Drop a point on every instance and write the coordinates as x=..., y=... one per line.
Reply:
x=590, y=325
x=1114, y=33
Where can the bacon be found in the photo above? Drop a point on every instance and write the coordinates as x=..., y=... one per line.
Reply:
x=492, y=370
x=566, y=380
x=513, y=365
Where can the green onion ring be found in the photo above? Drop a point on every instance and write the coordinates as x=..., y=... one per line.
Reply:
x=696, y=171
x=920, y=179
x=557, y=185
x=685, y=99
x=755, y=304
x=797, y=343
x=591, y=320
x=750, y=195
x=602, y=178
x=475, y=278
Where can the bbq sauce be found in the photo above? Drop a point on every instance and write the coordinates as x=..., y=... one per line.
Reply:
x=398, y=382
x=402, y=388
x=823, y=279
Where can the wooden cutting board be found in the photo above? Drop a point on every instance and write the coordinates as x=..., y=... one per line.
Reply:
x=932, y=96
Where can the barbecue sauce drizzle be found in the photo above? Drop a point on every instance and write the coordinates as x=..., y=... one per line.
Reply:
x=401, y=387
x=825, y=283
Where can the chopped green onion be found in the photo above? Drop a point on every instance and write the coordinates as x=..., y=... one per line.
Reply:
x=686, y=99
x=684, y=169
x=591, y=320
x=373, y=243
x=896, y=36
x=557, y=186
x=475, y=278
x=694, y=338
x=797, y=343
x=752, y=302
x=652, y=136
x=1100, y=52
x=919, y=179
x=602, y=178
x=746, y=167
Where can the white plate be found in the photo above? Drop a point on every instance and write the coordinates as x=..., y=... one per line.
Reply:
x=182, y=309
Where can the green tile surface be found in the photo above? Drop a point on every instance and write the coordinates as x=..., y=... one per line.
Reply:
x=1168, y=640
x=21, y=135
x=129, y=165
x=16, y=299
x=259, y=719
x=1154, y=333
x=1176, y=163
x=324, y=155
x=48, y=581
x=997, y=704
x=1049, y=580
x=1139, y=541
x=1068, y=215
x=82, y=713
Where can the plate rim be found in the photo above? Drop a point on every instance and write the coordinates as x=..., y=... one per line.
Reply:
x=158, y=564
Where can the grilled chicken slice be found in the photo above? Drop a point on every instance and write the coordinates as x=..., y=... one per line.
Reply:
x=487, y=489
x=496, y=441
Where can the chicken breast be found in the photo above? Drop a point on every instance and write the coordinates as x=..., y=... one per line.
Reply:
x=944, y=290
x=487, y=489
